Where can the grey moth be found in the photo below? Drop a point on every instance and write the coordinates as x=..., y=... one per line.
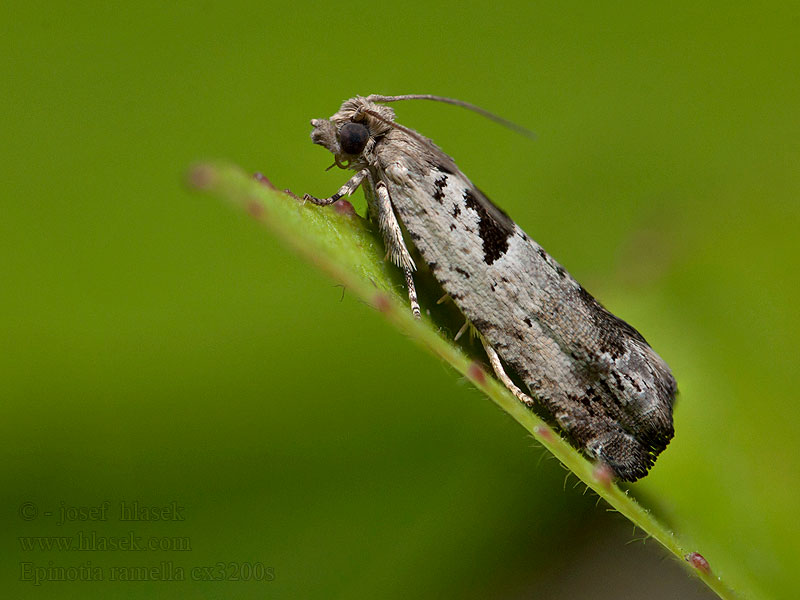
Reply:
x=587, y=370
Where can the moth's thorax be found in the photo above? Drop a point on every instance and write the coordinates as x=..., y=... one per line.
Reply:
x=353, y=110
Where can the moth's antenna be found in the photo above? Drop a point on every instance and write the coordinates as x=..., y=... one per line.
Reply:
x=481, y=111
x=390, y=123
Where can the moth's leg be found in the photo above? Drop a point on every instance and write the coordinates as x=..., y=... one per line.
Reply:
x=461, y=331
x=412, y=293
x=503, y=376
x=396, y=249
x=347, y=189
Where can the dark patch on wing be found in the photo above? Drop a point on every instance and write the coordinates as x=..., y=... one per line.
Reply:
x=453, y=227
x=494, y=226
x=633, y=382
x=440, y=184
x=456, y=210
x=483, y=325
x=590, y=401
x=527, y=322
x=617, y=380
x=613, y=329
x=462, y=272
x=653, y=437
x=442, y=168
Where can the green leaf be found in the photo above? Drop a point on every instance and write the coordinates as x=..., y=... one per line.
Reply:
x=340, y=243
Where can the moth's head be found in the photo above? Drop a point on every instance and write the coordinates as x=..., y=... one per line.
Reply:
x=351, y=134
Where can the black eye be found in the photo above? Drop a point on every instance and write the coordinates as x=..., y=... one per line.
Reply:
x=353, y=137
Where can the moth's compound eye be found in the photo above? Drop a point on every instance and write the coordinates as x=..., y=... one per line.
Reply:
x=353, y=137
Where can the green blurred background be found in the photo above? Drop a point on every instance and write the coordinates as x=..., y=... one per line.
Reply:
x=159, y=347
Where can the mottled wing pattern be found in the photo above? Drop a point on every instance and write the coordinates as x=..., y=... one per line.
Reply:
x=596, y=375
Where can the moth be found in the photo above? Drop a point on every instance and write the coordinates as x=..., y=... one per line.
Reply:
x=588, y=370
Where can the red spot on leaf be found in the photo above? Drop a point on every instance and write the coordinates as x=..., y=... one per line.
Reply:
x=291, y=194
x=382, y=303
x=343, y=207
x=698, y=561
x=603, y=474
x=262, y=179
x=255, y=208
x=201, y=176
x=544, y=433
x=475, y=372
